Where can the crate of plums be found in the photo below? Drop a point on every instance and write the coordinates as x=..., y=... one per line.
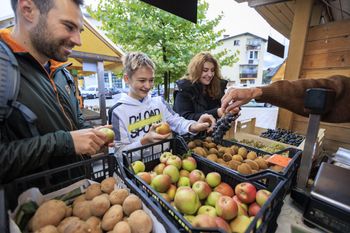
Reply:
x=87, y=196
x=200, y=196
x=245, y=160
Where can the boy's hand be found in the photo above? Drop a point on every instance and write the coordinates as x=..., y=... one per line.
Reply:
x=205, y=122
x=152, y=136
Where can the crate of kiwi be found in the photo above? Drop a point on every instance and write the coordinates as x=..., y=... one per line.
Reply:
x=242, y=159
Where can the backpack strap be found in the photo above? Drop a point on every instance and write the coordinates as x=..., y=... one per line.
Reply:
x=110, y=112
x=9, y=88
x=9, y=81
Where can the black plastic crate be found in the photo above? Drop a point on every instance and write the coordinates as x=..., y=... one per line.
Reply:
x=288, y=173
x=104, y=166
x=268, y=213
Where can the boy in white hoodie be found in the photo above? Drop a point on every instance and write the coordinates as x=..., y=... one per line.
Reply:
x=137, y=114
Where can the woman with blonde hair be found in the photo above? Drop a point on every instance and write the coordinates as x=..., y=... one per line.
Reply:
x=201, y=89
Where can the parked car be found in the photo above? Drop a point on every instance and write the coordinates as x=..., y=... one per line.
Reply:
x=115, y=90
x=108, y=93
x=90, y=93
x=253, y=103
x=155, y=92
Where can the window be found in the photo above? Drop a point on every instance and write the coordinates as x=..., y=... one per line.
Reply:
x=253, y=54
x=236, y=42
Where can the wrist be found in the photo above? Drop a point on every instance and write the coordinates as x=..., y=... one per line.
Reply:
x=257, y=93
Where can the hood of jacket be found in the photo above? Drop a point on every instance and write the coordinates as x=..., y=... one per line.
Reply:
x=128, y=100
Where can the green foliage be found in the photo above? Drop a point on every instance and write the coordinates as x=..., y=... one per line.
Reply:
x=169, y=40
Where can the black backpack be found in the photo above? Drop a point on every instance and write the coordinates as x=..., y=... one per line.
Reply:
x=9, y=86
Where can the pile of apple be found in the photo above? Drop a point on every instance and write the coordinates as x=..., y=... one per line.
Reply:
x=204, y=200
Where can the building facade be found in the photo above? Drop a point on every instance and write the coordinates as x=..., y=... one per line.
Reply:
x=248, y=71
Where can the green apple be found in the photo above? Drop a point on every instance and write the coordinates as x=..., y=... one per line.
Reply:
x=109, y=134
x=184, y=181
x=207, y=209
x=189, y=164
x=138, y=166
x=159, y=168
x=261, y=196
x=174, y=160
x=213, y=198
x=186, y=200
x=240, y=223
x=213, y=179
x=164, y=156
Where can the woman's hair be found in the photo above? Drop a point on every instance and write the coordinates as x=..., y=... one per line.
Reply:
x=134, y=60
x=195, y=69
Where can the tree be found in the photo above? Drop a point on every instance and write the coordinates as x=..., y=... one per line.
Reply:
x=169, y=40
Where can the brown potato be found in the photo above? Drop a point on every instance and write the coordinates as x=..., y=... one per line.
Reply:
x=82, y=210
x=65, y=222
x=69, y=211
x=132, y=203
x=107, y=185
x=93, y=191
x=122, y=227
x=99, y=205
x=77, y=226
x=79, y=199
x=94, y=224
x=118, y=196
x=112, y=217
x=140, y=222
x=45, y=216
x=47, y=229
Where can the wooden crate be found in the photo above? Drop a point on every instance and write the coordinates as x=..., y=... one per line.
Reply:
x=246, y=129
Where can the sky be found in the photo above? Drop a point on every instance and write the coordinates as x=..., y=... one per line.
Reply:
x=238, y=18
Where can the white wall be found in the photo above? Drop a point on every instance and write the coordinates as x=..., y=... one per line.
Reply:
x=5, y=9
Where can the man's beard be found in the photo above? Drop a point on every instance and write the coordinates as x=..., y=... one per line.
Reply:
x=45, y=43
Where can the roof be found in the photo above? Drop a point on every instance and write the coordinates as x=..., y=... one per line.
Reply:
x=94, y=43
x=280, y=13
x=242, y=34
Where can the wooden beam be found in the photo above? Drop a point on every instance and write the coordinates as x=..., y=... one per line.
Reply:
x=94, y=57
x=256, y=3
x=298, y=36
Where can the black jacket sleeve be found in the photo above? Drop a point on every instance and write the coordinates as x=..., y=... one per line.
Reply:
x=23, y=156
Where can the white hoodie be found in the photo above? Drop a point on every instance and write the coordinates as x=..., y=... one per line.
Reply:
x=132, y=119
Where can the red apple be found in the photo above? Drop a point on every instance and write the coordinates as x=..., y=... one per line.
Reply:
x=202, y=189
x=184, y=181
x=225, y=189
x=205, y=221
x=174, y=160
x=240, y=224
x=171, y=191
x=226, y=208
x=245, y=192
x=186, y=200
x=240, y=203
x=159, y=168
x=196, y=175
x=213, y=179
x=153, y=174
x=261, y=196
x=207, y=209
x=173, y=172
x=212, y=198
x=164, y=156
x=184, y=173
x=221, y=223
x=138, y=166
x=254, y=208
x=145, y=176
x=161, y=183
x=189, y=164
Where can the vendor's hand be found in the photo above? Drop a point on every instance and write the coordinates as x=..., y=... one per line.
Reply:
x=152, y=136
x=88, y=141
x=205, y=122
x=236, y=97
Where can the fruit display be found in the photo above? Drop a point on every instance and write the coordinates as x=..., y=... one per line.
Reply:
x=237, y=158
x=283, y=135
x=204, y=199
x=222, y=126
x=102, y=208
x=273, y=148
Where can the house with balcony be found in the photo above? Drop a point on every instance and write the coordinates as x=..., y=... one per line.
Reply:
x=248, y=71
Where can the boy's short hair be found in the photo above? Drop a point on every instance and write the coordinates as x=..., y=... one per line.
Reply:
x=134, y=60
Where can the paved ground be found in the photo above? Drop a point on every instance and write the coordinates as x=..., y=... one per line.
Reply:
x=265, y=117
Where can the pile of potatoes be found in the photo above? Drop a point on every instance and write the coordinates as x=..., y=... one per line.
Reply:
x=101, y=209
x=235, y=157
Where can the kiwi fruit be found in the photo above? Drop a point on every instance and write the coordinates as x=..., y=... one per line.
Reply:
x=227, y=157
x=237, y=157
x=191, y=145
x=245, y=169
x=262, y=163
x=254, y=165
x=242, y=151
x=252, y=155
x=212, y=157
x=213, y=151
